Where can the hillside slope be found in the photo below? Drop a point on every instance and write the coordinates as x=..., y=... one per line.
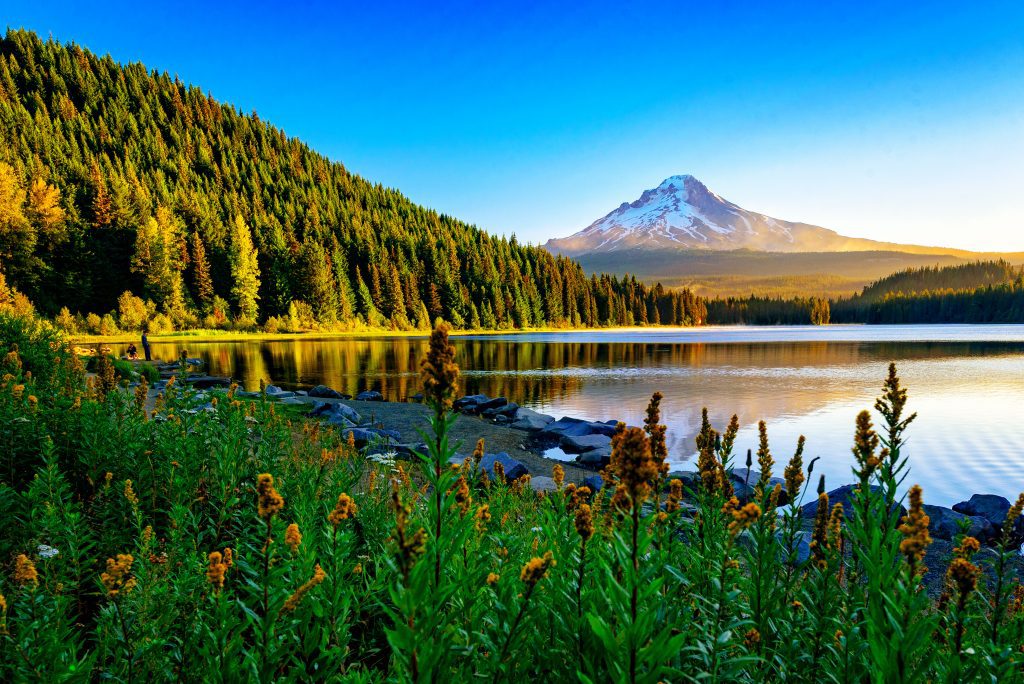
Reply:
x=114, y=178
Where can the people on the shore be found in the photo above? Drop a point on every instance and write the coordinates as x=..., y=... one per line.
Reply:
x=145, y=346
x=132, y=352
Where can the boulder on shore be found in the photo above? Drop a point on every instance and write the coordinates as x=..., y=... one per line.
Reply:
x=365, y=436
x=325, y=392
x=843, y=495
x=576, y=427
x=944, y=523
x=369, y=395
x=573, y=444
x=594, y=482
x=529, y=420
x=513, y=469
x=326, y=409
x=596, y=458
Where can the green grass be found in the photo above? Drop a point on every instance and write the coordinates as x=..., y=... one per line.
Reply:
x=344, y=568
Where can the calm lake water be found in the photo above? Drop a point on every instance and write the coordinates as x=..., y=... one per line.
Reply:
x=966, y=382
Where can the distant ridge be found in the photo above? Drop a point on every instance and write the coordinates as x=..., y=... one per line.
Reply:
x=683, y=214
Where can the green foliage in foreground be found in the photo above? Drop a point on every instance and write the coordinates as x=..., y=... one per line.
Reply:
x=226, y=544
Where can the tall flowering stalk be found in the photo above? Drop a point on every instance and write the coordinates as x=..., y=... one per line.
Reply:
x=439, y=374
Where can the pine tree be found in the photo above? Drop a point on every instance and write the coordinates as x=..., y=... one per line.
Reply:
x=245, y=271
x=202, y=284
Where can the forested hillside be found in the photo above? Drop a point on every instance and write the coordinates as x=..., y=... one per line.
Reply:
x=938, y=278
x=125, y=191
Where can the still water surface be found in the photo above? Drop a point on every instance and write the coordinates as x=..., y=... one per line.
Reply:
x=966, y=382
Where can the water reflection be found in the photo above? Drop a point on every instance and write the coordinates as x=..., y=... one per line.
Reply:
x=969, y=394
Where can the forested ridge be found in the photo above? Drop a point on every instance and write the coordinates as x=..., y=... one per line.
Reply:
x=125, y=191
x=978, y=292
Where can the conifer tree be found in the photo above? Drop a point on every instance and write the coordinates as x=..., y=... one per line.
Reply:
x=245, y=272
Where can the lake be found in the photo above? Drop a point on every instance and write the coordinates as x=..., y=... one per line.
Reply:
x=966, y=383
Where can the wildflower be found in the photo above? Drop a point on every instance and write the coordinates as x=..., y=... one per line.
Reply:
x=558, y=475
x=295, y=599
x=967, y=548
x=118, y=578
x=796, y=605
x=536, y=569
x=46, y=552
x=492, y=578
x=216, y=569
x=752, y=638
x=18, y=390
x=1012, y=516
x=463, y=500
x=744, y=518
x=229, y=557
x=483, y=516
x=141, y=393
x=25, y=571
x=584, y=522
x=963, y=575
x=270, y=502
x=478, y=451
x=499, y=471
x=33, y=402
x=793, y=473
x=107, y=479
x=372, y=482
x=891, y=404
x=576, y=496
x=633, y=463
x=819, y=537
x=147, y=535
x=358, y=569
x=675, y=494
x=915, y=530
x=764, y=460
x=707, y=464
x=292, y=537
x=732, y=564
x=865, y=441
x=837, y=638
x=835, y=526
x=439, y=371
x=656, y=434
x=344, y=509
x=3, y=615
x=620, y=499
x=129, y=494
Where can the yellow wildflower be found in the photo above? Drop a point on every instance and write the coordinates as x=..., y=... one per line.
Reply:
x=216, y=569
x=536, y=569
x=584, y=522
x=344, y=509
x=558, y=475
x=25, y=571
x=292, y=537
x=744, y=518
x=270, y=502
x=483, y=516
x=633, y=463
x=129, y=494
x=915, y=530
x=439, y=371
x=295, y=599
x=492, y=578
x=752, y=638
x=118, y=578
x=794, y=472
x=478, y=451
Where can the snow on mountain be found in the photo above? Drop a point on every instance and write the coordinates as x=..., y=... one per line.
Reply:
x=682, y=213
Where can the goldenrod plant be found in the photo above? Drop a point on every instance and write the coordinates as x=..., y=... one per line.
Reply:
x=186, y=538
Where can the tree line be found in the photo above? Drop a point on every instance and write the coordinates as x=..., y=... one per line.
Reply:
x=127, y=194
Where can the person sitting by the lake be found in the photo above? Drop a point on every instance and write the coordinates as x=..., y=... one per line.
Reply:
x=145, y=345
x=132, y=352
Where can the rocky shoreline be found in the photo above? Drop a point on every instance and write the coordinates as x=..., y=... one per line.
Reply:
x=517, y=437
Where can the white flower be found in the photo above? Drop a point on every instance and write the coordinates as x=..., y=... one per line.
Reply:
x=46, y=552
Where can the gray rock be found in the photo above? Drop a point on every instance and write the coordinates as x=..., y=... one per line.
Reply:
x=325, y=392
x=530, y=421
x=595, y=482
x=327, y=409
x=283, y=395
x=744, y=481
x=573, y=444
x=468, y=403
x=418, y=397
x=596, y=458
x=272, y=389
x=989, y=506
x=542, y=483
x=944, y=523
x=495, y=403
x=513, y=469
x=365, y=436
x=369, y=395
x=507, y=411
x=843, y=495
x=577, y=428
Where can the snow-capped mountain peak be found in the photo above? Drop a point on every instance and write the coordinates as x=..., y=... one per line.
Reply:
x=682, y=213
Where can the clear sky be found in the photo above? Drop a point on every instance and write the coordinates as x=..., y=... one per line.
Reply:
x=901, y=121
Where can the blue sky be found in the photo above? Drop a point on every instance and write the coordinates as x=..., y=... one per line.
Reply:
x=897, y=121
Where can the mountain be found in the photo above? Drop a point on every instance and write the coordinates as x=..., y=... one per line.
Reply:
x=123, y=190
x=683, y=214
